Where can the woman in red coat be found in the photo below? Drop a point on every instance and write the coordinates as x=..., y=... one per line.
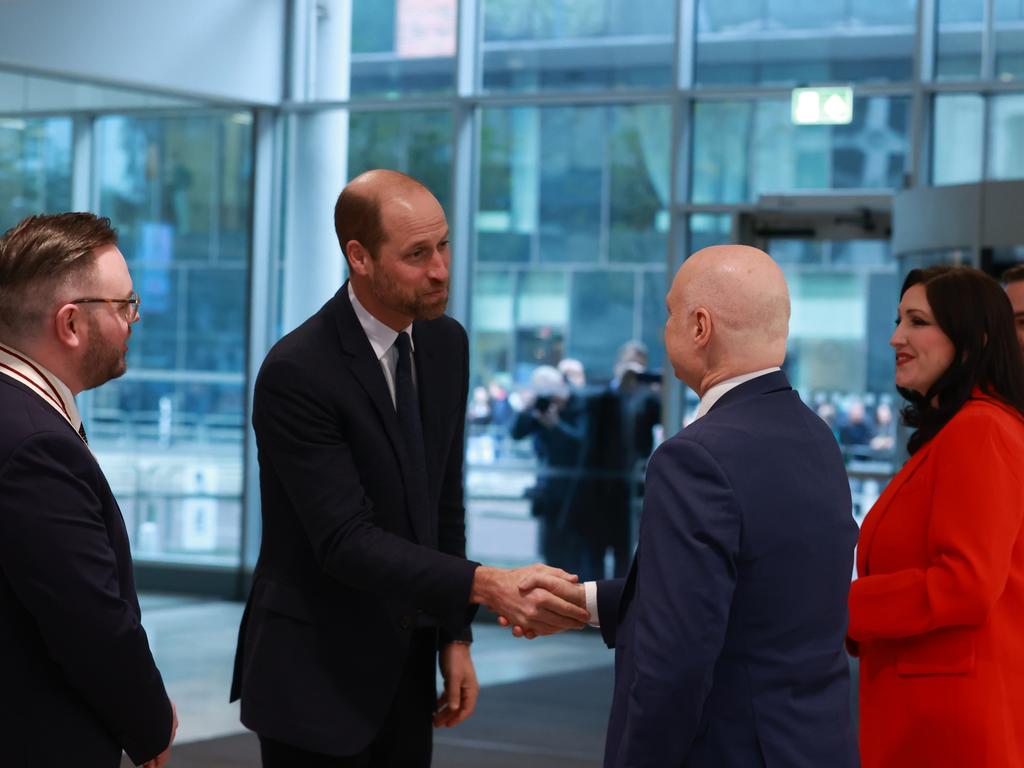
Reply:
x=937, y=615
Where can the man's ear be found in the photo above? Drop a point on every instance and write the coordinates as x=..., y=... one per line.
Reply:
x=68, y=324
x=358, y=258
x=701, y=327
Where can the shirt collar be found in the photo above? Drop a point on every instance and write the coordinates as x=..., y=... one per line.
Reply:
x=55, y=392
x=716, y=392
x=381, y=337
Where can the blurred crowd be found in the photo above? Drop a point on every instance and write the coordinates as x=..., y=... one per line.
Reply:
x=589, y=440
x=864, y=424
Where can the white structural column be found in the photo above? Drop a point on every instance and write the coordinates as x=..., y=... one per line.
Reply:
x=316, y=158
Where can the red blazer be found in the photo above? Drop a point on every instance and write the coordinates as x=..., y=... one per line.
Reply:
x=937, y=614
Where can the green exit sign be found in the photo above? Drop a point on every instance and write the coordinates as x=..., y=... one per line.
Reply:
x=822, y=106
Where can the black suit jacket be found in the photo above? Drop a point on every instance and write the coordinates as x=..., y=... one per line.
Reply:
x=349, y=564
x=77, y=680
x=729, y=629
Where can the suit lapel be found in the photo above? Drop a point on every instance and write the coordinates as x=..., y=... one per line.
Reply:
x=366, y=369
x=882, y=506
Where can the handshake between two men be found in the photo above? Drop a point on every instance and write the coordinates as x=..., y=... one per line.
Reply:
x=535, y=600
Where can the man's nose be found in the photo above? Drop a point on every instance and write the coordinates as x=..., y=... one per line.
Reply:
x=438, y=268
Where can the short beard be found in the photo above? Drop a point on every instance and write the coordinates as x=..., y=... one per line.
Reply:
x=387, y=292
x=102, y=362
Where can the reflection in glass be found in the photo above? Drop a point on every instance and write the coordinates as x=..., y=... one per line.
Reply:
x=957, y=138
x=574, y=184
x=743, y=149
x=402, y=47
x=709, y=229
x=958, y=41
x=531, y=45
x=35, y=168
x=418, y=143
x=1006, y=153
x=493, y=323
x=170, y=433
x=1009, y=38
x=798, y=42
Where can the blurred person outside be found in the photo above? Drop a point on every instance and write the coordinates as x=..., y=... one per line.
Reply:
x=556, y=420
x=1013, y=280
x=622, y=417
x=855, y=431
x=573, y=373
x=937, y=612
x=79, y=682
x=884, y=439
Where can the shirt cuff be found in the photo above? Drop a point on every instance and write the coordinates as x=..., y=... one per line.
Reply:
x=590, y=591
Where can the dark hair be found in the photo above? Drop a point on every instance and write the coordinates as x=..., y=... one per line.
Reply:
x=37, y=255
x=357, y=211
x=974, y=312
x=1014, y=274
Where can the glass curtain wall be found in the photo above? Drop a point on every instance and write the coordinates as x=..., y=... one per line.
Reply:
x=170, y=433
x=584, y=148
x=35, y=167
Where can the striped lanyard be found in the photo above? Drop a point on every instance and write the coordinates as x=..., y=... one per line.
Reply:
x=14, y=364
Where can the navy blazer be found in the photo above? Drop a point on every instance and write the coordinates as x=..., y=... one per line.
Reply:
x=729, y=628
x=351, y=562
x=77, y=680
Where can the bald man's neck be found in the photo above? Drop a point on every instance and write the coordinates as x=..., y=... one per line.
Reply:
x=729, y=367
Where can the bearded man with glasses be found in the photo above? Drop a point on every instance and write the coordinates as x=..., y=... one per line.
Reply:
x=75, y=662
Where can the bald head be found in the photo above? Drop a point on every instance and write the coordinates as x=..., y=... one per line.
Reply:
x=731, y=305
x=357, y=213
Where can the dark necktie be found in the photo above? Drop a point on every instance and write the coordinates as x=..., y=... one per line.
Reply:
x=408, y=407
x=81, y=432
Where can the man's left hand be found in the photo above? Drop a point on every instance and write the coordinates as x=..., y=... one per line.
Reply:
x=461, y=688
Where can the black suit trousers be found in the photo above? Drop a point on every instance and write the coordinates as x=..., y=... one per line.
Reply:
x=405, y=739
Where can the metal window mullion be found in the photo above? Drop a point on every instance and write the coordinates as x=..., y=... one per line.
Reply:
x=464, y=179
x=684, y=63
x=265, y=248
x=84, y=195
x=604, y=215
x=84, y=190
x=986, y=148
x=920, y=118
x=988, y=53
x=673, y=393
x=216, y=203
x=638, y=303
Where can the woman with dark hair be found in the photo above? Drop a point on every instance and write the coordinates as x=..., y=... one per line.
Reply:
x=937, y=614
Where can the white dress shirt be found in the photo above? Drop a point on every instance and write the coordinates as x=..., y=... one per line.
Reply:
x=52, y=390
x=382, y=338
x=712, y=396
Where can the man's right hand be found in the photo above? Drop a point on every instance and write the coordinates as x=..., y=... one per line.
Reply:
x=539, y=611
x=572, y=592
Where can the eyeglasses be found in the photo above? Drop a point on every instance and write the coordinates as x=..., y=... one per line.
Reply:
x=129, y=306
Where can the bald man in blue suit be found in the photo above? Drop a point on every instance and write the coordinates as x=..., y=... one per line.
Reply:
x=728, y=631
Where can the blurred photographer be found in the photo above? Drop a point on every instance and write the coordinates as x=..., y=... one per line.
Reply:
x=555, y=418
x=622, y=417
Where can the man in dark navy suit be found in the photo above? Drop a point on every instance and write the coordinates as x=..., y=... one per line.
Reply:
x=362, y=581
x=77, y=678
x=729, y=629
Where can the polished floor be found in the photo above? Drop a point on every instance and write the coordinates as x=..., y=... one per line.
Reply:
x=194, y=641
